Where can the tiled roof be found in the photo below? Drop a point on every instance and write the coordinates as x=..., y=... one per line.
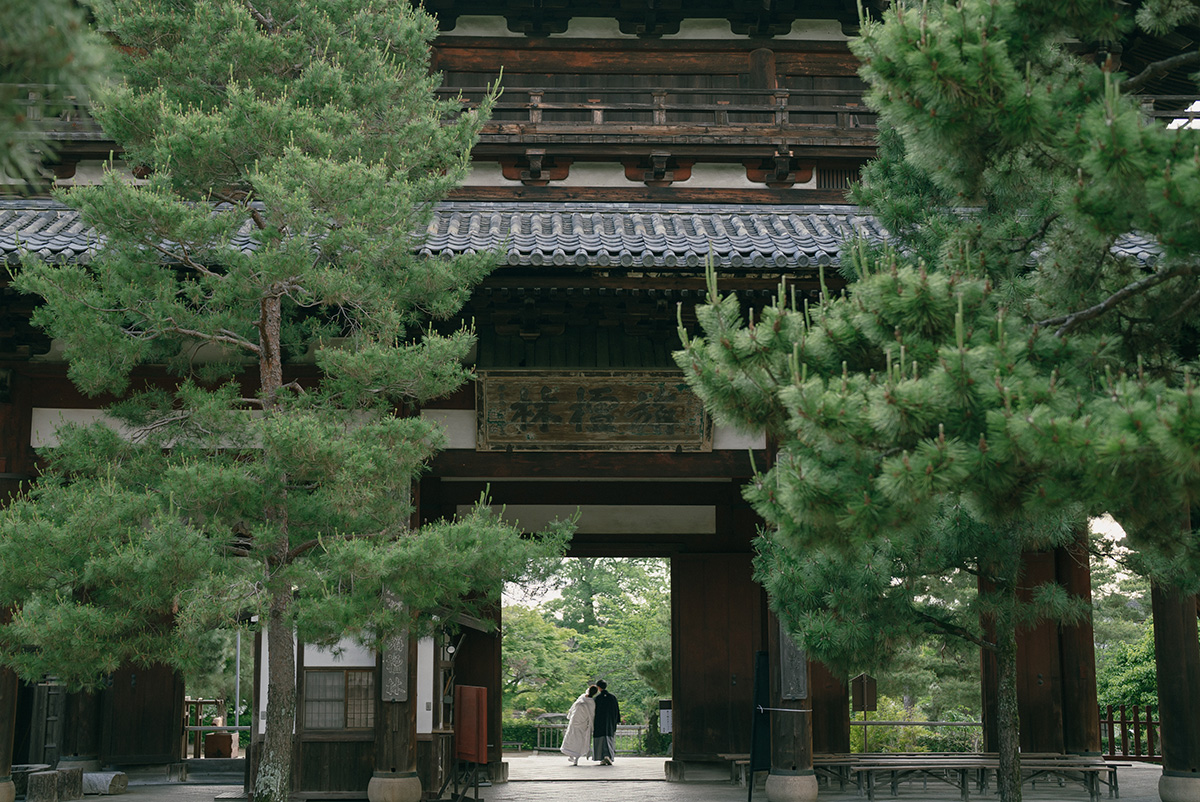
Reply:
x=631, y=235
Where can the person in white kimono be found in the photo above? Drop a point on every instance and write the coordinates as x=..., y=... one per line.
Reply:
x=577, y=741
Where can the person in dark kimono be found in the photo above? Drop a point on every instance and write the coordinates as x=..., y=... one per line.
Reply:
x=604, y=725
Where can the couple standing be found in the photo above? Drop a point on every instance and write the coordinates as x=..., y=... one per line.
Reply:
x=592, y=726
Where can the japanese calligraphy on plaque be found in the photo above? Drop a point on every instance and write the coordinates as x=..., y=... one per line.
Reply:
x=593, y=410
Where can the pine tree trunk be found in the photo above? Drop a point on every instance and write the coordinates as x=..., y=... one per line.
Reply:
x=1008, y=776
x=1008, y=727
x=274, y=779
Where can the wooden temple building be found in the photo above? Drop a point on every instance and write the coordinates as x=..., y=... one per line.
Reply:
x=634, y=139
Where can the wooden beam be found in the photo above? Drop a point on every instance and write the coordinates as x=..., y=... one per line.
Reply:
x=591, y=492
x=555, y=465
x=674, y=194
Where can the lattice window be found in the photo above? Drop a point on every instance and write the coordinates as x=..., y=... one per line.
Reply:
x=336, y=700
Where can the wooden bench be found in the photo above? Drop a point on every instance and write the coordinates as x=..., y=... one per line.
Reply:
x=739, y=767
x=964, y=771
x=513, y=746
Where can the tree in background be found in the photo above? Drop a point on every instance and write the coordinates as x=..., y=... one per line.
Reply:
x=628, y=643
x=536, y=661
x=49, y=56
x=291, y=150
x=592, y=590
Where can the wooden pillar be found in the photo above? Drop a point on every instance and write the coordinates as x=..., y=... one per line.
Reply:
x=8, y=728
x=1177, y=658
x=395, y=777
x=479, y=663
x=1039, y=672
x=81, y=732
x=1077, y=651
x=792, y=778
x=762, y=72
x=830, y=702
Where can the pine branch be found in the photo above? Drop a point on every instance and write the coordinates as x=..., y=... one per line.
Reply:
x=1068, y=322
x=223, y=336
x=255, y=215
x=265, y=21
x=1037, y=235
x=1159, y=69
x=953, y=629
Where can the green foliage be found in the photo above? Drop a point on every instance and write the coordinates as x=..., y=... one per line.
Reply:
x=1126, y=674
x=593, y=590
x=525, y=732
x=293, y=150
x=999, y=375
x=50, y=45
x=548, y=663
x=655, y=742
x=536, y=661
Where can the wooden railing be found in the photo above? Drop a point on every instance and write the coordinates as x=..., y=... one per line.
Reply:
x=564, y=109
x=1122, y=725
x=612, y=107
x=630, y=737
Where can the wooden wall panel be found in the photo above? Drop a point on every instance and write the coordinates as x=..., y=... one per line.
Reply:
x=142, y=716
x=829, y=698
x=336, y=766
x=716, y=628
x=1039, y=675
x=644, y=58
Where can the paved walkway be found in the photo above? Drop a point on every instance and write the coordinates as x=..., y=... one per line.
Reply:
x=550, y=778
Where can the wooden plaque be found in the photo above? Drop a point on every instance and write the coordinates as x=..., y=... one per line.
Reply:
x=589, y=411
x=394, y=687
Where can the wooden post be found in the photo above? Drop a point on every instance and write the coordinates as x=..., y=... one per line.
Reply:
x=81, y=732
x=1177, y=658
x=8, y=728
x=792, y=778
x=395, y=778
x=1081, y=707
x=829, y=698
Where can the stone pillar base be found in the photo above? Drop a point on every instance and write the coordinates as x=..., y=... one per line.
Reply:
x=394, y=789
x=8, y=791
x=674, y=771
x=791, y=787
x=497, y=772
x=1174, y=788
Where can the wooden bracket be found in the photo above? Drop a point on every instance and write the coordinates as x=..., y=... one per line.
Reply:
x=536, y=169
x=781, y=171
x=659, y=169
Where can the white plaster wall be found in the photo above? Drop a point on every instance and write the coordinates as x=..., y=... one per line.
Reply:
x=426, y=693
x=458, y=423
x=599, y=28
x=347, y=654
x=354, y=655
x=47, y=420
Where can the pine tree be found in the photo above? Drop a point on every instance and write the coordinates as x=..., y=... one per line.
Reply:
x=1003, y=374
x=48, y=56
x=289, y=150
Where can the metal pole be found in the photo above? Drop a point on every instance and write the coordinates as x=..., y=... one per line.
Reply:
x=237, y=677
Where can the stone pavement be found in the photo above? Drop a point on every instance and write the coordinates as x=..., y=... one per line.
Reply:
x=550, y=778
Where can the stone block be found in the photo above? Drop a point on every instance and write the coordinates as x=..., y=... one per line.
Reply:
x=105, y=783
x=42, y=786
x=21, y=772
x=70, y=784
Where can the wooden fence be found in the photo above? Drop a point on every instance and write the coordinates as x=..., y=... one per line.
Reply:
x=1122, y=727
x=630, y=738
